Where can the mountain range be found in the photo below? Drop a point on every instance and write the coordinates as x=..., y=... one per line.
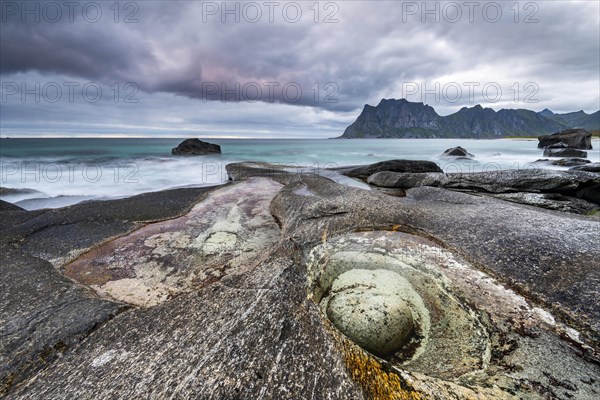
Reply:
x=401, y=118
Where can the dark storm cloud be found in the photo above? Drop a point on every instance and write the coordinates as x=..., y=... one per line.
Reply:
x=184, y=48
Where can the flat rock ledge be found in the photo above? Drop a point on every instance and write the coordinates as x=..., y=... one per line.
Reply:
x=573, y=191
x=255, y=290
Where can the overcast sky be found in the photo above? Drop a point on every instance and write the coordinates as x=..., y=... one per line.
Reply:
x=283, y=69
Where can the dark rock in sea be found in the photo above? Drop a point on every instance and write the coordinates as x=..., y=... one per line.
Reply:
x=565, y=153
x=593, y=167
x=572, y=138
x=570, y=162
x=457, y=152
x=196, y=147
x=364, y=171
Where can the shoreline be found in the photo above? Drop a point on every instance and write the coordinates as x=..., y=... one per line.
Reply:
x=32, y=198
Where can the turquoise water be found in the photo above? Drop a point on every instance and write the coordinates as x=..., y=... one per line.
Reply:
x=66, y=171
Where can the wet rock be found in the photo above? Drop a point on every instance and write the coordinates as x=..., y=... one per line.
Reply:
x=18, y=195
x=524, y=180
x=37, y=203
x=363, y=172
x=196, y=147
x=570, y=162
x=571, y=138
x=564, y=153
x=593, y=167
x=458, y=151
x=286, y=173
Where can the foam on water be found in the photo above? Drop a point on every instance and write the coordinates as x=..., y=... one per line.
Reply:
x=67, y=171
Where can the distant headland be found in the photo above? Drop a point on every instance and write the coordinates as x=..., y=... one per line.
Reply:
x=401, y=118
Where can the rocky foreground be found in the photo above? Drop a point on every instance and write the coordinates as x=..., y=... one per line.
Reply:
x=284, y=284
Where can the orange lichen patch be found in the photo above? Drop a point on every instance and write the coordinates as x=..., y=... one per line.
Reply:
x=377, y=383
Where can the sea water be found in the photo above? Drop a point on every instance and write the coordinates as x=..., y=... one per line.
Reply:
x=64, y=171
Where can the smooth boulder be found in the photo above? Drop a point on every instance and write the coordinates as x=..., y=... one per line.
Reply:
x=572, y=138
x=195, y=147
x=368, y=307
